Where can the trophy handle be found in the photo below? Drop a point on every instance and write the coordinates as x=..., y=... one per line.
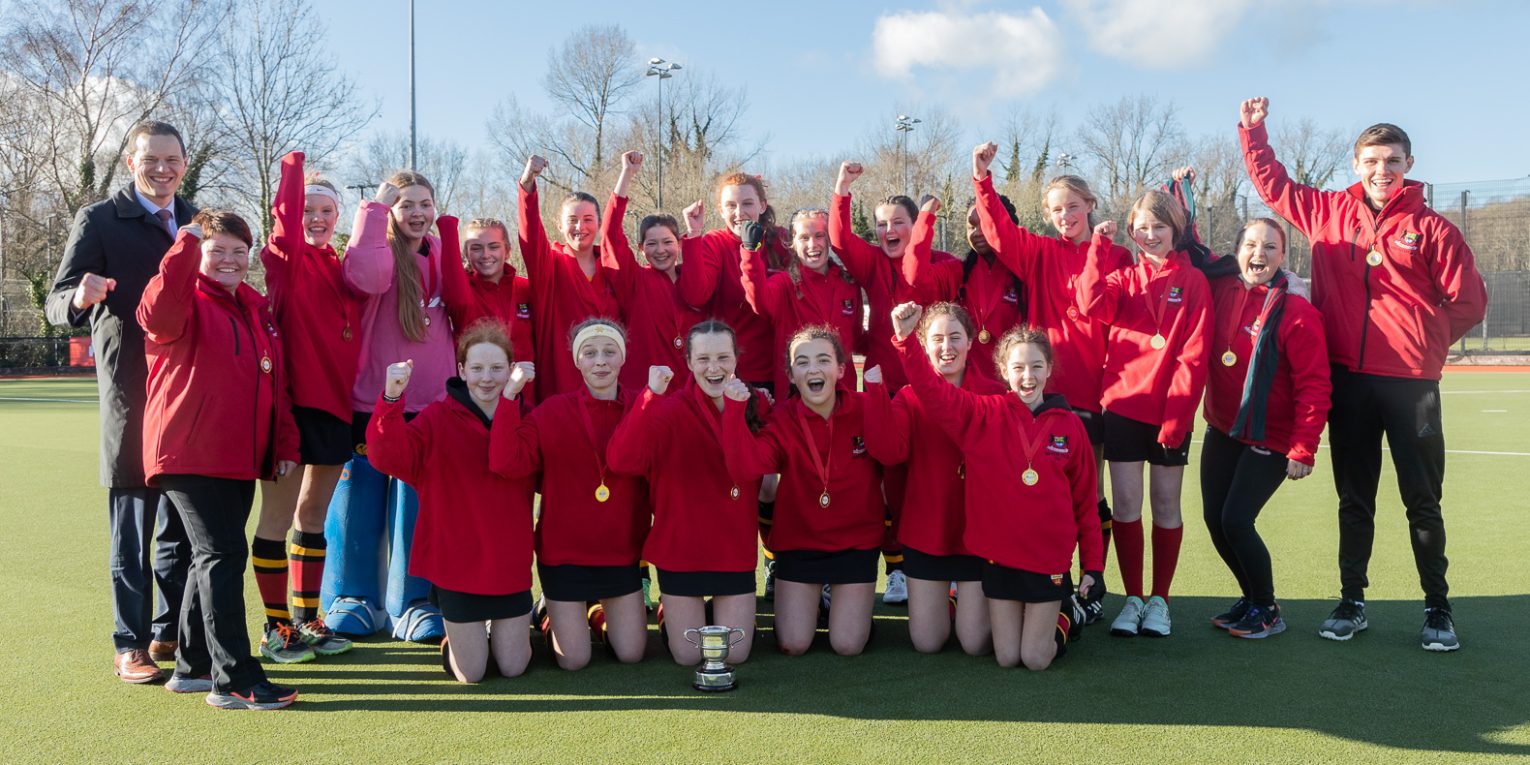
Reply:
x=737, y=640
x=697, y=633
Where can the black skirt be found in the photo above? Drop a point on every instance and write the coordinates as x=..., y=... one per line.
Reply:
x=467, y=607
x=701, y=584
x=1005, y=583
x=585, y=583
x=942, y=568
x=820, y=567
x=1129, y=440
x=323, y=439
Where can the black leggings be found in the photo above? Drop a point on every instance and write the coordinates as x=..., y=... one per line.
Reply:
x=1236, y=482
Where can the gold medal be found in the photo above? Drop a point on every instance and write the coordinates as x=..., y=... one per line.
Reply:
x=1073, y=312
x=679, y=343
x=265, y=364
x=1229, y=358
x=733, y=493
x=427, y=321
x=602, y=493
x=1158, y=342
x=823, y=499
x=983, y=336
x=1373, y=257
x=345, y=334
x=1030, y=477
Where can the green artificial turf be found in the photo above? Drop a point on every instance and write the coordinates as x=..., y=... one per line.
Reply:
x=1198, y=696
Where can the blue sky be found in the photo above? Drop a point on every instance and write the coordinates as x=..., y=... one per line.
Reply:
x=822, y=75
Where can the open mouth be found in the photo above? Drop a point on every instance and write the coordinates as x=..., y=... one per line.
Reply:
x=947, y=359
x=1257, y=268
x=715, y=381
x=816, y=386
x=228, y=270
x=1028, y=389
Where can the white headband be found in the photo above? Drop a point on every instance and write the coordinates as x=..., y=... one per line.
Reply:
x=323, y=191
x=599, y=330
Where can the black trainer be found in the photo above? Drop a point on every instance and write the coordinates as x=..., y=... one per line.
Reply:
x=1232, y=615
x=1347, y=619
x=1258, y=623
x=263, y=695
x=1439, y=632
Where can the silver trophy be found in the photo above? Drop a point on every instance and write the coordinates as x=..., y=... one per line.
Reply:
x=714, y=674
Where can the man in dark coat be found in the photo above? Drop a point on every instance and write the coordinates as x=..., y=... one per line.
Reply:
x=114, y=249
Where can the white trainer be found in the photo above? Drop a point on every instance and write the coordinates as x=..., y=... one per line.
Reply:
x=1155, y=617
x=897, y=589
x=1130, y=620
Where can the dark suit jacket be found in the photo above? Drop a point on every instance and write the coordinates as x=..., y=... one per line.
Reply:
x=119, y=239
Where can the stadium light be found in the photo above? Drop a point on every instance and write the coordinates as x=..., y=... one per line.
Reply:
x=904, y=125
x=658, y=67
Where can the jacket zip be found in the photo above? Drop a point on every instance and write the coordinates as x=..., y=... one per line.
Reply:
x=255, y=407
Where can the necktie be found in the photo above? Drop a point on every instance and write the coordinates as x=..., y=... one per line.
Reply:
x=168, y=219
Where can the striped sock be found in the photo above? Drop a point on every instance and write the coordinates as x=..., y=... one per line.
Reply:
x=308, y=549
x=269, y=559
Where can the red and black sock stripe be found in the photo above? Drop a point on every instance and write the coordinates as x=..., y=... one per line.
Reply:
x=308, y=551
x=269, y=559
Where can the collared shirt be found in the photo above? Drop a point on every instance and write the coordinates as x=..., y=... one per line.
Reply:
x=154, y=208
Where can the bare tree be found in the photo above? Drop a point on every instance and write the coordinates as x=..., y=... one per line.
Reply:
x=443, y=162
x=1133, y=143
x=279, y=93
x=590, y=76
x=1311, y=154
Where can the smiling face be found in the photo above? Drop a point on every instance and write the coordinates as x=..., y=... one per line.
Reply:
x=739, y=203
x=1261, y=253
x=1026, y=370
x=579, y=223
x=1153, y=236
x=600, y=360
x=894, y=228
x=946, y=344
x=816, y=370
x=486, y=369
x=414, y=212
x=975, y=238
x=319, y=216
x=225, y=260
x=1381, y=169
x=661, y=247
x=1069, y=213
x=810, y=240
x=713, y=359
x=485, y=248
x=158, y=163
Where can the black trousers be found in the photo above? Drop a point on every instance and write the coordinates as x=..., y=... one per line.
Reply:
x=1236, y=482
x=215, y=637
x=1407, y=411
x=148, y=561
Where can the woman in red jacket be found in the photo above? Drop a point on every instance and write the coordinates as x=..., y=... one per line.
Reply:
x=828, y=525
x=217, y=419
x=1050, y=268
x=703, y=536
x=592, y=522
x=319, y=316
x=1159, y=313
x=905, y=430
x=498, y=291
x=1030, y=491
x=1267, y=399
x=649, y=295
x=472, y=539
x=812, y=290
x=568, y=282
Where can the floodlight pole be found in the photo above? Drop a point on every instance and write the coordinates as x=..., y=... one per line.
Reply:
x=658, y=67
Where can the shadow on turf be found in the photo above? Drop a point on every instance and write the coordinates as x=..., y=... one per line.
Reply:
x=1379, y=688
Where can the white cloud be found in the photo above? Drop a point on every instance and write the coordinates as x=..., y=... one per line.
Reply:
x=1166, y=34
x=1022, y=50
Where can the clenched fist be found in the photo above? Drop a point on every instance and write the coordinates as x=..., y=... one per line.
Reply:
x=905, y=318
x=1253, y=111
x=91, y=290
x=398, y=378
x=658, y=379
x=982, y=158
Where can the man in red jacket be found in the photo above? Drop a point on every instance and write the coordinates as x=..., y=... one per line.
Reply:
x=1396, y=284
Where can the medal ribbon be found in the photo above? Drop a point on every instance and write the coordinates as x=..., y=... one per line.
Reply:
x=819, y=463
x=589, y=430
x=710, y=416
x=1159, y=306
x=1238, y=325
x=990, y=301
x=1032, y=445
x=428, y=280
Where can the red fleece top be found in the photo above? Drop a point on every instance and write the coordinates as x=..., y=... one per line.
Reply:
x=574, y=527
x=712, y=282
x=657, y=319
x=827, y=298
x=1398, y=318
x=1050, y=268
x=1032, y=528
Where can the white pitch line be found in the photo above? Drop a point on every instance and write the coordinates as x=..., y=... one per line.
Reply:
x=1483, y=392
x=53, y=400
x=1456, y=451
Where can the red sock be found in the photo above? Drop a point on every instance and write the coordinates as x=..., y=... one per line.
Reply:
x=1129, y=554
x=1165, y=557
x=307, y=553
x=269, y=559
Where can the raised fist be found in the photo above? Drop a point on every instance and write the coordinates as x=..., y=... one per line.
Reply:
x=752, y=233
x=92, y=290
x=905, y=318
x=1184, y=174
x=848, y=173
x=929, y=204
x=982, y=157
x=631, y=161
x=695, y=218
x=521, y=375
x=398, y=378
x=535, y=164
x=736, y=389
x=387, y=194
x=873, y=376
x=1105, y=228
x=1253, y=111
x=194, y=230
x=658, y=379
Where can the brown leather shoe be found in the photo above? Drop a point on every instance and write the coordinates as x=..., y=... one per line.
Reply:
x=137, y=667
x=163, y=651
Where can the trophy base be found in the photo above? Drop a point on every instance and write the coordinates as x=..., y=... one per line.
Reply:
x=715, y=681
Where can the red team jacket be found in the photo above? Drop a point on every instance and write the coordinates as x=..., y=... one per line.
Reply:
x=573, y=526
x=827, y=298
x=1031, y=528
x=712, y=283
x=1396, y=319
x=217, y=403
x=882, y=278
x=561, y=296
x=657, y=319
x=473, y=533
x=318, y=314
x=702, y=519
x=1299, y=399
x=903, y=430
x=854, y=517
x=988, y=290
x=1156, y=386
x=1050, y=268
